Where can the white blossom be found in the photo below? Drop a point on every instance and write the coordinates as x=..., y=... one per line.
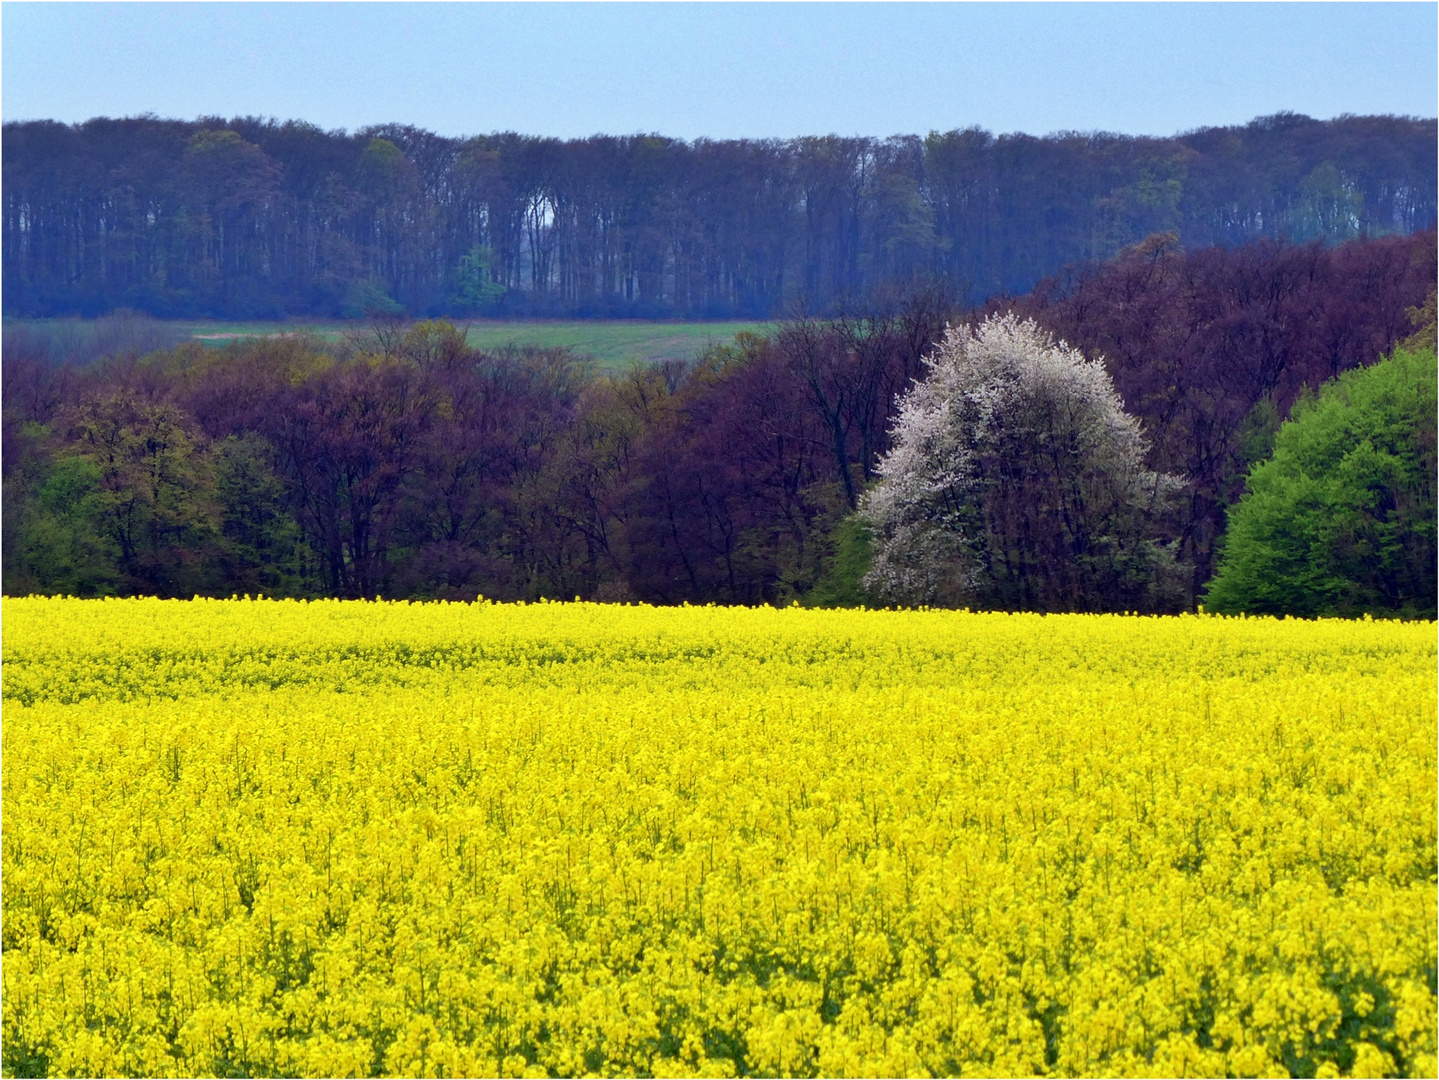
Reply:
x=997, y=402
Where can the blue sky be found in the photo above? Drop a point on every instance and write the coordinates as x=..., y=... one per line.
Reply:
x=722, y=70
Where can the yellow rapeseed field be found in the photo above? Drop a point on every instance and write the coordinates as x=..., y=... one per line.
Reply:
x=275, y=838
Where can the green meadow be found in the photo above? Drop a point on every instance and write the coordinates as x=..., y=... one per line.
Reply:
x=613, y=343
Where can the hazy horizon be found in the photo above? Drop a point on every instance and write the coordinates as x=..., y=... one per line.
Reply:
x=1091, y=133
x=723, y=71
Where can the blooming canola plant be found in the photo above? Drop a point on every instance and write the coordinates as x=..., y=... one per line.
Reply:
x=348, y=838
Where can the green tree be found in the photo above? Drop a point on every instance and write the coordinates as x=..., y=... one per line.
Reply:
x=841, y=584
x=263, y=548
x=1331, y=206
x=368, y=297
x=61, y=546
x=1341, y=521
x=155, y=493
x=475, y=286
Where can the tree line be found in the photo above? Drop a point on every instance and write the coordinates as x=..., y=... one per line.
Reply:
x=403, y=463
x=253, y=218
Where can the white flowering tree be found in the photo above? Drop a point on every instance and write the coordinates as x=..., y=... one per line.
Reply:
x=1017, y=481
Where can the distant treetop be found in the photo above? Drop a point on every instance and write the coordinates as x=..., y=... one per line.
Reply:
x=253, y=218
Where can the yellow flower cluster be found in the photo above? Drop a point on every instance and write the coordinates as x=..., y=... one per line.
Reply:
x=249, y=837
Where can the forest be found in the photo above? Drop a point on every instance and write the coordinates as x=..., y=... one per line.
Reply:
x=249, y=218
x=404, y=463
